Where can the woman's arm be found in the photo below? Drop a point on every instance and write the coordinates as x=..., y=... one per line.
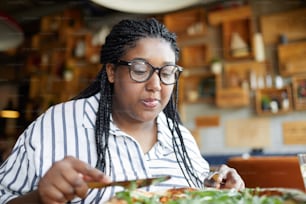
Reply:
x=64, y=181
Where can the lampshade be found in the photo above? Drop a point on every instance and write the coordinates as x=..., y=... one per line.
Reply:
x=146, y=7
x=9, y=111
x=11, y=34
x=9, y=114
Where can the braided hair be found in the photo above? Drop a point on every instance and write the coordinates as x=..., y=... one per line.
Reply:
x=122, y=37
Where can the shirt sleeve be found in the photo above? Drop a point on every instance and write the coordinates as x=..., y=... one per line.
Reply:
x=17, y=173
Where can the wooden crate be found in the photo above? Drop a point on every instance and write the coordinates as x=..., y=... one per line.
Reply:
x=242, y=71
x=198, y=86
x=242, y=27
x=195, y=56
x=232, y=97
x=292, y=59
x=263, y=97
x=299, y=92
x=188, y=22
x=233, y=23
x=290, y=23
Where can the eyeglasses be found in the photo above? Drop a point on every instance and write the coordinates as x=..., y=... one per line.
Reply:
x=141, y=71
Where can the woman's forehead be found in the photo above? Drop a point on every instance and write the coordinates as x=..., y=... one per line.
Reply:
x=151, y=47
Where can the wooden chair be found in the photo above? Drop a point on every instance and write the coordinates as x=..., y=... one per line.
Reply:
x=269, y=171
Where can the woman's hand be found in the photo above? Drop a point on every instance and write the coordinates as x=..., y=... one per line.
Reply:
x=225, y=178
x=67, y=179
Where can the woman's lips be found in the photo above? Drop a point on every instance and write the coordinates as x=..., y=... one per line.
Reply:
x=151, y=103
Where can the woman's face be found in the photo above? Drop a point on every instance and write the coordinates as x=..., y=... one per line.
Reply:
x=141, y=102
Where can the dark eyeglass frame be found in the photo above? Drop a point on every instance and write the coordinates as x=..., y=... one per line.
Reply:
x=153, y=69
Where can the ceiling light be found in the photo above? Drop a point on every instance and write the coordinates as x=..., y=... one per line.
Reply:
x=146, y=7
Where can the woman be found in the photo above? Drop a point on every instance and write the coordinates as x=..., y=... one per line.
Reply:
x=123, y=126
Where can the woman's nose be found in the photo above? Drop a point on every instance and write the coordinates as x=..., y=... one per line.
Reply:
x=154, y=83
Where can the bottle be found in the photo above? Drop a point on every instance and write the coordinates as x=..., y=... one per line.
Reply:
x=253, y=80
x=79, y=51
x=260, y=82
x=269, y=82
x=279, y=83
x=285, y=101
x=259, y=48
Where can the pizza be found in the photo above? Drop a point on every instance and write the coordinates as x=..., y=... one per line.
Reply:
x=211, y=196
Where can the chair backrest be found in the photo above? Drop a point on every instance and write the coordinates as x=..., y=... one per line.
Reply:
x=269, y=171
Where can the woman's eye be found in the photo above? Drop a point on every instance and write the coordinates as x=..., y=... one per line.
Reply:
x=139, y=72
x=167, y=75
x=168, y=72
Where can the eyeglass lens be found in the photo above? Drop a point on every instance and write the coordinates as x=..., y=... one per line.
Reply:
x=141, y=71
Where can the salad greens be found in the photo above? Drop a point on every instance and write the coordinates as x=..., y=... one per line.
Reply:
x=210, y=196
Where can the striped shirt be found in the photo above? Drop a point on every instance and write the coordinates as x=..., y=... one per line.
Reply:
x=68, y=129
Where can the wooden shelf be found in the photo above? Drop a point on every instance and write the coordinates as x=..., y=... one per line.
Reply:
x=272, y=101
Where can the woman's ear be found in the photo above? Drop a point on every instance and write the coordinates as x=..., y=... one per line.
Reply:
x=110, y=70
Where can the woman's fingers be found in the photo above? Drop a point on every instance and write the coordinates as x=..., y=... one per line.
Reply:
x=231, y=178
x=67, y=179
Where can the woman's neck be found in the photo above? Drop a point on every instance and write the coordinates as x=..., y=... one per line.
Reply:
x=145, y=133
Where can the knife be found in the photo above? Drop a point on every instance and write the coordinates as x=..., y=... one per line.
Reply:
x=131, y=184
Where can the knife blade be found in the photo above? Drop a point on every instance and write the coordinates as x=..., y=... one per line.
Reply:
x=131, y=184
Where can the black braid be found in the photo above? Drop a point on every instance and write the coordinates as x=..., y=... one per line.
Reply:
x=124, y=36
